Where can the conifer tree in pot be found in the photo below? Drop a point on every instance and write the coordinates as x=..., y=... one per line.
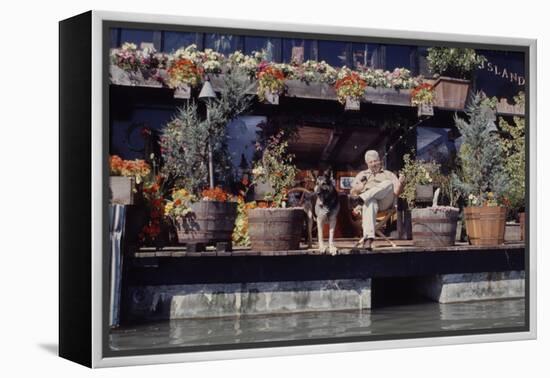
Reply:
x=190, y=145
x=481, y=178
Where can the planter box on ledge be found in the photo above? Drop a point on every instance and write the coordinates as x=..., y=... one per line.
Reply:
x=451, y=93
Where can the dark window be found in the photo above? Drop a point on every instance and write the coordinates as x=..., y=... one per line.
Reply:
x=114, y=34
x=423, y=68
x=365, y=54
x=137, y=36
x=398, y=56
x=306, y=44
x=334, y=53
x=222, y=43
x=272, y=47
x=175, y=40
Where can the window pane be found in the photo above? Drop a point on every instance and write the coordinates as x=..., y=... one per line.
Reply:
x=113, y=33
x=175, y=40
x=365, y=54
x=136, y=36
x=222, y=43
x=306, y=44
x=272, y=47
x=334, y=53
x=398, y=57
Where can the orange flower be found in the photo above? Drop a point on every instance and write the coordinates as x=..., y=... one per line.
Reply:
x=215, y=194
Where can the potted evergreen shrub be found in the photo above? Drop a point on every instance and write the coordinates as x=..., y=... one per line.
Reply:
x=481, y=179
x=453, y=68
x=274, y=226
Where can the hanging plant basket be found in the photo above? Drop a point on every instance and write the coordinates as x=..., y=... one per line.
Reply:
x=485, y=225
x=425, y=110
x=352, y=103
x=271, y=97
x=182, y=91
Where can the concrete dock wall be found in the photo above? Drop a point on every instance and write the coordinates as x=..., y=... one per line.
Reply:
x=213, y=300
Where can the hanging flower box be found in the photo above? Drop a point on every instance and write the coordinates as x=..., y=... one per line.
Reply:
x=451, y=93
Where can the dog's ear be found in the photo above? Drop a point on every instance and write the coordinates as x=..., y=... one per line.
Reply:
x=328, y=173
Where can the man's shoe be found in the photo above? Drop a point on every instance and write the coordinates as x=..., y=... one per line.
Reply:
x=367, y=244
x=356, y=201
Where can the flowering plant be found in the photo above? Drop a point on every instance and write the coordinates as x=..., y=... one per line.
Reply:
x=215, y=194
x=180, y=205
x=349, y=84
x=487, y=199
x=184, y=71
x=155, y=201
x=423, y=94
x=276, y=168
x=126, y=57
x=417, y=172
x=454, y=62
x=270, y=80
x=240, y=232
x=138, y=169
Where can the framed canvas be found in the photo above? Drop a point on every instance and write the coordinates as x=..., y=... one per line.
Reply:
x=189, y=230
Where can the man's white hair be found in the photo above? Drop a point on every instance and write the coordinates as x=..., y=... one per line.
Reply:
x=371, y=155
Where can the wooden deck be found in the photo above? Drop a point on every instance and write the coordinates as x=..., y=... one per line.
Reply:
x=345, y=247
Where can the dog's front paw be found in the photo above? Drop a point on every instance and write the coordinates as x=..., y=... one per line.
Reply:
x=333, y=250
x=322, y=249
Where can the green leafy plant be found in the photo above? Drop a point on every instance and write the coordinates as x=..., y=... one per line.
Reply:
x=454, y=62
x=514, y=148
x=417, y=172
x=276, y=168
x=186, y=139
x=481, y=179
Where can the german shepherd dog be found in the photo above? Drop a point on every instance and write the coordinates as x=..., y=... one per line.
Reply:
x=324, y=205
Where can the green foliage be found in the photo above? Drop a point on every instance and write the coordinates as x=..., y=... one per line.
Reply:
x=514, y=148
x=276, y=168
x=417, y=172
x=481, y=176
x=186, y=137
x=454, y=62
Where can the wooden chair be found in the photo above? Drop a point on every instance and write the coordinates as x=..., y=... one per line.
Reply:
x=382, y=218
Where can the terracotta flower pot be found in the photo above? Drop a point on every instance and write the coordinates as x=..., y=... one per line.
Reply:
x=485, y=225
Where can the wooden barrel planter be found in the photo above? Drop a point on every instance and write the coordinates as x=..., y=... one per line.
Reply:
x=485, y=225
x=434, y=226
x=275, y=229
x=210, y=222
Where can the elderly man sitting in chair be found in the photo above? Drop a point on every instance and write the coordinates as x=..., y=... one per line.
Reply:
x=374, y=189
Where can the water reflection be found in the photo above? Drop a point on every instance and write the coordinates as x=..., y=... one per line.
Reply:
x=391, y=320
